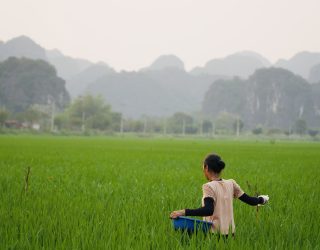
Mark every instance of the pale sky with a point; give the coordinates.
(130, 34)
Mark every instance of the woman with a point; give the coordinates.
(217, 200)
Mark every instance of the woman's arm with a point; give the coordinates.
(250, 200)
(253, 201)
(206, 210)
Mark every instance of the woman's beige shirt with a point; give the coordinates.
(223, 192)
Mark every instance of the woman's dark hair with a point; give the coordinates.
(214, 163)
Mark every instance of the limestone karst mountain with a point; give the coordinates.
(301, 63)
(78, 84)
(271, 97)
(240, 64)
(314, 75)
(21, 46)
(67, 67)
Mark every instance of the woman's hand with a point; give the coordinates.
(176, 214)
(265, 199)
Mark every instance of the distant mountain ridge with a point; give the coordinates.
(66, 66)
(137, 93)
(240, 64)
(301, 63)
(152, 92)
(78, 84)
(166, 62)
(314, 76)
(21, 46)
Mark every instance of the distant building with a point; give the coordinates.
(35, 126)
(18, 125)
(12, 124)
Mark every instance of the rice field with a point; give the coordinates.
(117, 193)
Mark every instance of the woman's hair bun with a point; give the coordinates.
(222, 164)
(214, 163)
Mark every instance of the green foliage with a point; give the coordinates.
(3, 115)
(313, 133)
(116, 121)
(237, 124)
(90, 112)
(61, 121)
(32, 115)
(207, 127)
(133, 125)
(300, 126)
(181, 123)
(257, 131)
(107, 193)
(145, 125)
(274, 131)
(224, 123)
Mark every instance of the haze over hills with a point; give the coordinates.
(163, 87)
(301, 63)
(66, 66)
(23, 46)
(314, 75)
(78, 84)
(240, 64)
(153, 92)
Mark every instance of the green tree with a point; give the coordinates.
(224, 123)
(257, 131)
(181, 123)
(207, 126)
(300, 126)
(116, 121)
(3, 116)
(237, 124)
(313, 133)
(90, 112)
(61, 121)
(32, 115)
(25, 82)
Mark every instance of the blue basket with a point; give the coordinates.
(191, 225)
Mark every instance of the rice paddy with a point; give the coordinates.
(117, 193)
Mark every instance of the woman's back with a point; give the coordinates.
(222, 192)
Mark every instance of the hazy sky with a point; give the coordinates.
(130, 34)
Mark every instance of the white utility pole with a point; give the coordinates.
(238, 126)
(183, 127)
(213, 128)
(52, 115)
(145, 125)
(165, 126)
(121, 126)
(83, 120)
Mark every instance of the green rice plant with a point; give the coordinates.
(117, 193)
